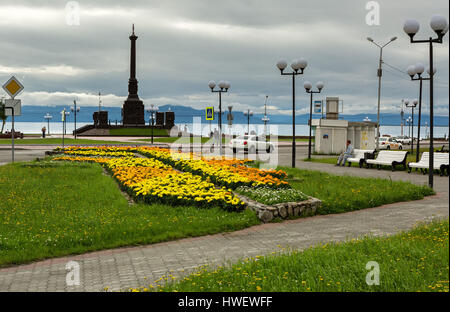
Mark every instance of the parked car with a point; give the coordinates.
(251, 144)
(403, 139)
(389, 143)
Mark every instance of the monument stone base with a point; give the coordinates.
(133, 113)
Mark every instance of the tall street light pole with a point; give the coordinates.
(379, 74)
(298, 67)
(440, 26)
(265, 119)
(307, 85)
(223, 88)
(414, 70)
(248, 113)
(412, 105)
(152, 111)
(48, 117)
(75, 110)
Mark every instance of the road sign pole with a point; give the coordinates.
(12, 133)
(64, 125)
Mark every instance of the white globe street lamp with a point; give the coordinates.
(298, 66)
(308, 86)
(440, 26)
(223, 85)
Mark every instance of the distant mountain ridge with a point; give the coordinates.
(185, 114)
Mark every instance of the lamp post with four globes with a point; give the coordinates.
(74, 109)
(307, 85)
(414, 70)
(298, 67)
(223, 88)
(412, 105)
(440, 26)
(152, 111)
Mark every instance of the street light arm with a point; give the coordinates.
(376, 44)
(291, 74)
(387, 43)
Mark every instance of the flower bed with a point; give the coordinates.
(102, 151)
(270, 196)
(231, 173)
(150, 180)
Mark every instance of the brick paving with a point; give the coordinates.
(121, 268)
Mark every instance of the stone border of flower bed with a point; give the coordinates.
(267, 213)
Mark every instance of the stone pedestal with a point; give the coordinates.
(133, 113)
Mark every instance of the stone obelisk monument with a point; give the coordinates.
(133, 108)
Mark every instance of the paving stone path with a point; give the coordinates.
(121, 268)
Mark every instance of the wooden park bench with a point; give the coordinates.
(8, 135)
(360, 157)
(388, 158)
(440, 162)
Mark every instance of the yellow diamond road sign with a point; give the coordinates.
(13, 87)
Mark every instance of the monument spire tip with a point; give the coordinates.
(133, 29)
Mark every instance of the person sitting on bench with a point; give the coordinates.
(347, 154)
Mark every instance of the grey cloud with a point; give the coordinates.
(184, 44)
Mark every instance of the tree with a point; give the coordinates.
(3, 116)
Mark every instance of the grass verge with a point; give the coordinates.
(348, 193)
(57, 141)
(53, 209)
(137, 131)
(412, 261)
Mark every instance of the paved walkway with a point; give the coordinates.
(137, 266)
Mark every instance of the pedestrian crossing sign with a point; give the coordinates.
(210, 113)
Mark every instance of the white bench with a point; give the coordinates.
(360, 156)
(388, 158)
(440, 162)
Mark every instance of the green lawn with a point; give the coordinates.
(138, 131)
(412, 261)
(53, 209)
(56, 141)
(348, 193)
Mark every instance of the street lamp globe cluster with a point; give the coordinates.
(439, 25)
(152, 110)
(298, 66)
(308, 86)
(223, 85)
(48, 117)
(74, 109)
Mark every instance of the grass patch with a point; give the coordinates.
(51, 209)
(138, 131)
(271, 196)
(412, 261)
(57, 141)
(348, 193)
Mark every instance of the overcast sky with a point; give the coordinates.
(184, 44)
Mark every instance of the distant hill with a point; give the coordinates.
(185, 114)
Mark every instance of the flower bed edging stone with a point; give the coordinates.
(267, 213)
